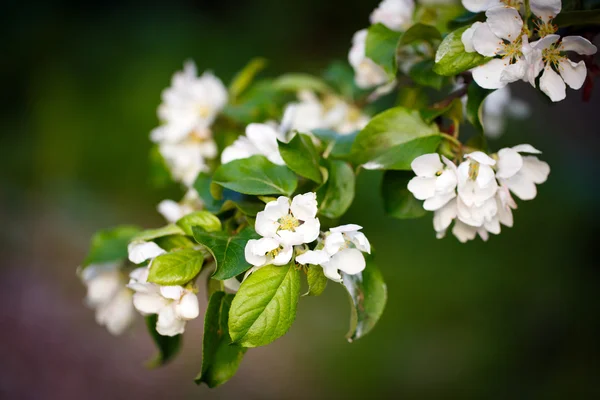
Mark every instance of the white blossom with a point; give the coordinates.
(187, 159)
(342, 251)
(173, 211)
(395, 14)
(520, 173)
(501, 35)
(189, 106)
(260, 139)
(548, 54)
(174, 305)
(435, 181)
(292, 223)
(140, 251)
(266, 250)
(367, 73)
(476, 179)
(108, 295)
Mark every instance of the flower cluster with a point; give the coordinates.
(506, 38)
(477, 193)
(288, 226)
(174, 305)
(188, 110)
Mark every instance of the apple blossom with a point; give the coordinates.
(367, 74)
(259, 139)
(342, 251)
(395, 14)
(260, 252)
(435, 181)
(174, 305)
(108, 295)
(172, 211)
(187, 159)
(520, 173)
(140, 251)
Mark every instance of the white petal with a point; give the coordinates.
(232, 284)
(264, 137)
(422, 188)
(119, 314)
(334, 242)
(515, 71)
(443, 217)
(360, 241)
(102, 288)
(315, 257)
(526, 148)
(188, 307)
(240, 149)
(481, 158)
(172, 292)
(170, 210)
(509, 163)
(149, 303)
(310, 230)
(266, 221)
(467, 37)
(578, 44)
(346, 228)
(140, 251)
(488, 75)
(331, 272)
(552, 84)
(546, 9)
(304, 206)
(535, 170)
(476, 6)
(446, 182)
(256, 250)
(573, 73)
(293, 238)
(485, 176)
(485, 42)
(438, 201)
(464, 232)
(284, 256)
(427, 165)
(504, 22)
(545, 42)
(350, 261)
(139, 275)
(168, 324)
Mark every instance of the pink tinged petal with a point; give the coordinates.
(427, 165)
(188, 307)
(350, 261)
(488, 75)
(492, 226)
(360, 241)
(168, 324)
(438, 201)
(149, 303)
(304, 206)
(467, 37)
(509, 163)
(314, 257)
(284, 256)
(481, 158)
(552, 85)
(514, 72)
(334, 242)
(546, 9)
(464, 232)
(526, 148)
(422, 188)
(446, 182)
(483, 234)
(504, 22)
(535, 170)
(171, 292)
(573, 73)
(346, 228)
(578, 44)
(485, 42)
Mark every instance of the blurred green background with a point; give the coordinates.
(517, 317)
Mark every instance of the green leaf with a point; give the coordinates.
(151, 234)
(414, 98)
(203, 219)
(243, 78)
(257, 176)
(227, 250)
(317, 281)
(296, 81)
(451, 57)
(213, 286)
(202, 186)
(572, 18)
(394, 138)
(174, 242)
(339, 145)
(220, 357)
(368, 294)
(301, 156)
(381, 47)
(249, 208)
(475, 97)
(265, 306)
(398, 201)
(422, 73)
(168, 346)
(336, 196)
(176, 268)
(420, 31)
(110, 245)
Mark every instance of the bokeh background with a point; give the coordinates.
(517, 317)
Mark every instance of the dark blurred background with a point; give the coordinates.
(517, 317)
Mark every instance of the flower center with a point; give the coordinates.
(273, 253)
(288, 223)
(512, 50)
(552, 56)
(512, 3)
(204, 111)
(473, 170)
(545, 28)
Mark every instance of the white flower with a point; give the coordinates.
(260, 139)
(342, 251)
(476, 179)
(189, 106)
(290, 224)
(546, 10)
(435, 181)
(108, 295)
(395, 14)
(174, 305)
(187, 159)
(501, 35)
(548, 54)
(479, 5)
(342, 117)
(140, 251)
(266, 251)
(520, 173)
(499, 105)
(173, 211)
(367, 73)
